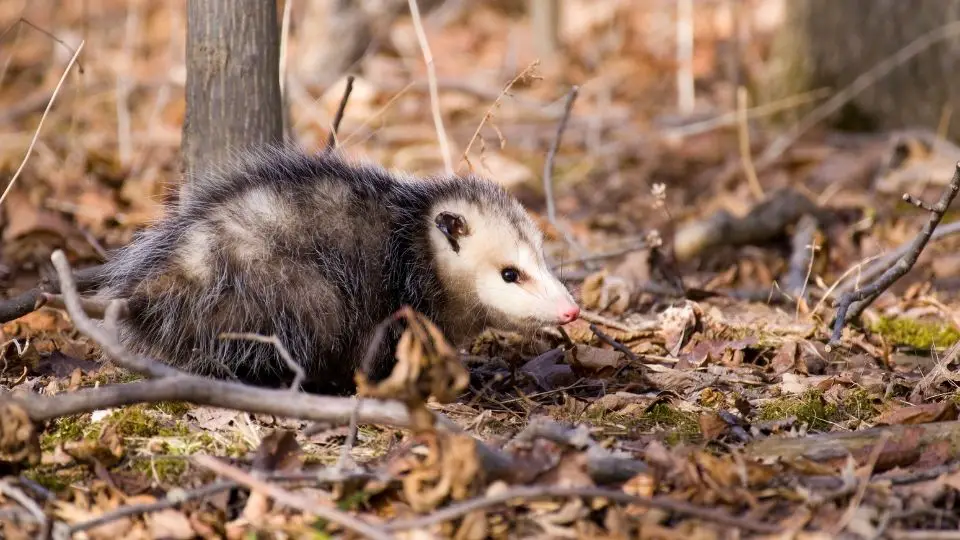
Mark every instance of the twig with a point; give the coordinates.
(847, 310)
(732, 118)
(36, 134)
(744, 137)
(13, 308)
(177, 497)
(602, 256)
(106, 339)
(18, 495)
(292, 500)
(543, 492)
(284, 41)
(862, 488)
(432, 81)
(614, 343)
(199, 390)
(297, 369)
(174, 498)
(803, 254)
(380, 112)
(552, 154)
(496, 104)
(685, 88)
(884, 262)
(332, 140)
(861, 83)
(345, 460)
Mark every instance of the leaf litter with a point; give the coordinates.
(689, 381)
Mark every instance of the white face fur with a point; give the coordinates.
(487, 259)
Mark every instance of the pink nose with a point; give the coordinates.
(569, 314)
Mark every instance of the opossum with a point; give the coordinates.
(317, 249)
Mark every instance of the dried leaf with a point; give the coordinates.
(19, 440)
(170, 524)
(920, 414)
(587, 360)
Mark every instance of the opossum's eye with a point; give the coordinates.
(453, 226)
(510, 274)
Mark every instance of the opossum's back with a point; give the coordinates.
(303, 264)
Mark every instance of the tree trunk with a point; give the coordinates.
(233, 81)
(829, 43)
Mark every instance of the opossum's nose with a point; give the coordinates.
(569, 313)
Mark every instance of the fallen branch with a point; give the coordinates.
(852, 304)
(286, 498)
(86, 280)
(547, 492)
(335, 127)
(173, 499)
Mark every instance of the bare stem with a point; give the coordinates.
(852, 304)
(432, 81)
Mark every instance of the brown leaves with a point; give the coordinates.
(19, 441)
(449, 470)
(427, 366)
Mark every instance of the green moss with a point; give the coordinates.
(680, 426)
(64, 429)
(167, 469)
(920, 335)
(354, 501)
(54, 479)
(137, 421)
(173, 408)
(811, 408)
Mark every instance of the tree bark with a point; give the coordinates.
(233, 81)
(829, 43)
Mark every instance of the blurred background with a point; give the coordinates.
(714, 104)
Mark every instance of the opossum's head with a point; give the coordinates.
(489, 254)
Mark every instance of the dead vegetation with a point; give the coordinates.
(715, 383)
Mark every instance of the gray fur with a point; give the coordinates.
(310, 247)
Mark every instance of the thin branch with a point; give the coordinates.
(861, 83)
(176, 497)
(13, 308)
(496, 104)
(552, 155)
(23, 500)
(335, 127)
(284, 43)
(685, 87)
(847, 310)
(297, 369)
(614, 343)
(36, 134)
(545, 492)
(103, 337)
(286, 498)
(173, 499)
(744, 137)
(603, 256)
(432, 81)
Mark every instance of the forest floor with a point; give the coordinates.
(699, 394)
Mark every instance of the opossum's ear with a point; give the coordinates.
(454, 227)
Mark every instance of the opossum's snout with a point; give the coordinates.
(569, 313)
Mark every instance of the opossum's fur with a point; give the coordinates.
(318, 250)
